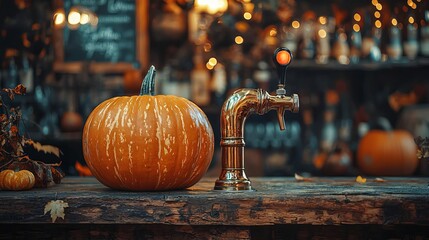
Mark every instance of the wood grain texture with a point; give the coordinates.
(277, 201)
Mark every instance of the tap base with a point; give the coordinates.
(233, 185)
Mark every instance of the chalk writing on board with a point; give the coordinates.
(112, 40)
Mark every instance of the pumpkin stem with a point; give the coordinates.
(148, 84)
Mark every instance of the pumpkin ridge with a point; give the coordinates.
(114, 123)
(197, 155)
(103, 139)
(117, 140)
(158, 135)
(149, 146)
(91, 140)
(177, 151)
(181, 157)
(194, 154)
(144, 133)
(132, 144)
(195, 115)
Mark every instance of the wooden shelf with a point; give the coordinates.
(333, 65)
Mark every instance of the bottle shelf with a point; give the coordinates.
(333, 65)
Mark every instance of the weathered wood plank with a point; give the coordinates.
(155, 232)
(324, 201)
(129, 231)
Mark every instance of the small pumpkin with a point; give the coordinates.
(148, 143)
(387, 153)
(16, 180)
(336, 162)
(71, 122)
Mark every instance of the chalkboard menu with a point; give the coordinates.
(116, 39)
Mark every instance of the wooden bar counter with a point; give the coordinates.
(279, 208)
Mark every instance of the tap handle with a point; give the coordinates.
(282, 58)
(281, 117)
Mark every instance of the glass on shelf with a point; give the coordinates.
(323, 47)
(411, 45)
(424, 35)
(394, 48)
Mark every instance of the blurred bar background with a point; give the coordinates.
(358, 66)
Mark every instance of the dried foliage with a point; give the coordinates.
(379, 180)
(360, 179)
(300, 178)
(82, 170)
(12, 155)
(422, 147)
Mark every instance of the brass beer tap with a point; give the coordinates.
(235, 110)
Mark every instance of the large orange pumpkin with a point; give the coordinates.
(148, 143)
(387, 153)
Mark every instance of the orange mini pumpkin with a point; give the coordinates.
(148, 143)
(387, 153)
(16, 180)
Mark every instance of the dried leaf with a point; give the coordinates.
(57, 175)
(419, 154)
(360, 179)
(422, 154)
(422, 147)
(20, 89)
(56, 208)
(300, 178)
(9, 93)
(45, 148)
(82, 170)
(379, 180)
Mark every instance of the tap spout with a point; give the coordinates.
(235, 110)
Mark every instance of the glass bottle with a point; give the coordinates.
(11, 79)
(424, 35)
(26, 74)
(200, 80)
(323, 47)
(356, 46)
(411, 45)
(394, 48)
(341, 50)
(307, 47)
(219, 84)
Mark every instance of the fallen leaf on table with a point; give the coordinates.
(300, 178)
(360, 179)
(56, 208)
(379, 180)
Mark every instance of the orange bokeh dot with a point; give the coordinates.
(283, 57)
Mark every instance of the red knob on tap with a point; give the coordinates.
(282, 58)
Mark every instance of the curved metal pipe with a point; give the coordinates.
(235, 110)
